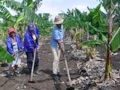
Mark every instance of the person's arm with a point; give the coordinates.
(61, 46)
(38, 37)
(9, 47)
(59, 40)
(21, 47)
(27, 42)
(38, 32)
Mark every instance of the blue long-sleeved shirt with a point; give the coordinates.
(9, 44)
(29, 43)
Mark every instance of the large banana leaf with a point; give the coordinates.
(115, 41)
(5, 56)
(92, 43)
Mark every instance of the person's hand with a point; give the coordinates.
(13, 55)
(32, 48)
(37, 48)
(21, 50)
(63, 52)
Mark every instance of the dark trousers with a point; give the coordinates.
(30, 56)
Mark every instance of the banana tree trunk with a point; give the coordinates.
(76, 39)
(108, 67)
(88, 35)
(94, 51)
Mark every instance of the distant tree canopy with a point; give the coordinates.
(25, 13)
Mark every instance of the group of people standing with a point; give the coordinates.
(30, 43)
(15, 45)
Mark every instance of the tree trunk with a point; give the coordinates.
(88, 36)
(108, 67)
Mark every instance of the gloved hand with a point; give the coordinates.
(38, 48)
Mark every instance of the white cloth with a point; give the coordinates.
(34, 37)
(15, 46)
(17, 61)
(56, 54)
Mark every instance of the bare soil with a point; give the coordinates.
(44, 81)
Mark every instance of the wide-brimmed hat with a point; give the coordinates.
(58, 20)
(11, 30)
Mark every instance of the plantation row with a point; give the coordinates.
(87, 29)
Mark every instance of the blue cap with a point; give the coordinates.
(31, 27)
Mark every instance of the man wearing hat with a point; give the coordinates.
(57, 45)
(14, 45)
(31, 42)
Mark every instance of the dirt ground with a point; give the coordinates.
(44, 81)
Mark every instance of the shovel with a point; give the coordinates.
(32, 70)
(68, 74)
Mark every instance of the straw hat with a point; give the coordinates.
(58, 20)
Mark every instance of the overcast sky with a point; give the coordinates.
(56, 6)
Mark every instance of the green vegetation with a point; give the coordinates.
(87, 29)
(99, 27)
(4, 56)
(25, 13)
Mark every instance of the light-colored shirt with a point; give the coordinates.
(34, 37)
(15, 46)
(57, 34)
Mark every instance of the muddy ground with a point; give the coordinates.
(44, 81)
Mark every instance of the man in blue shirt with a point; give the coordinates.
(31, 42)
(57, 45)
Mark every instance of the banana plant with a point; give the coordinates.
(45, 24)
(115, 41)
(117, 16)
(95, 26)
(89, 47)
(110, 6)
(5, 56)
(25, 13)
(74, 22)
